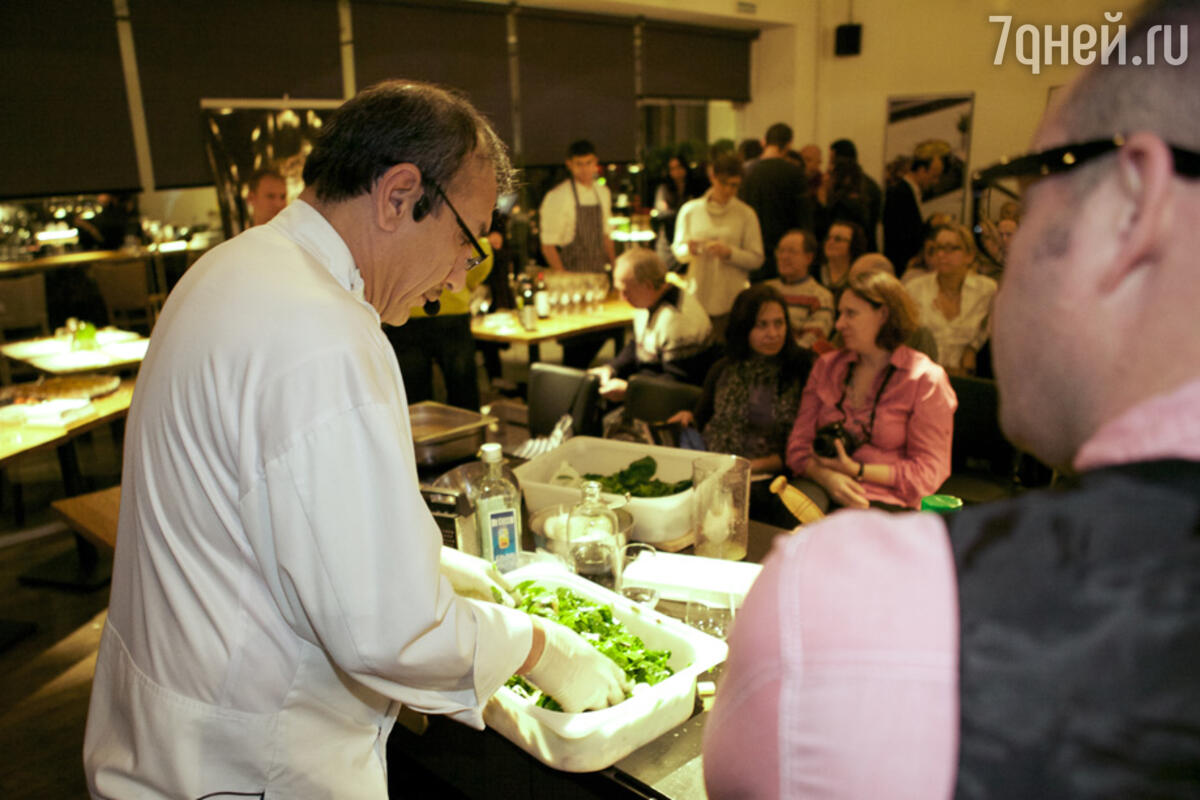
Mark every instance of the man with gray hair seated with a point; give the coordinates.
(671, 330)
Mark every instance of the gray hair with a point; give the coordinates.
(647, 267)
(394, 122)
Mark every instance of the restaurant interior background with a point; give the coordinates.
(113, 87)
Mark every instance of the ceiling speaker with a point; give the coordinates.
(847, 40)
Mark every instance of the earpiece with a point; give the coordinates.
(421, 208)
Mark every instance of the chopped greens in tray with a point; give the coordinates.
(637, 479)
(594, 622)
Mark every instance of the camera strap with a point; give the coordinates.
(869, 430)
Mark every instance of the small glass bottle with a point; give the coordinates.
(498, 512)
(593, 539)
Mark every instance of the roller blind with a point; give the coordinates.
(685, 61)
(453, 44)
(576, 82)
(64, 113)
(188, 50)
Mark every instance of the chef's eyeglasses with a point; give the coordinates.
(1028, 169)
(480, 256)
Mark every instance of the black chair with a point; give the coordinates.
(554, 391)
(653, 398)
(983, 463)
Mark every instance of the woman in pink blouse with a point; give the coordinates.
(876, 417)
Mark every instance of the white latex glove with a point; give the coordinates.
(476, 578)
(574, 673)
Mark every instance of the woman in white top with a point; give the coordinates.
(718, 237)
(955, 302)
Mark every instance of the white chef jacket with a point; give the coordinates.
(276, 586)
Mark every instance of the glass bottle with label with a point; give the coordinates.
(541, 297)
(498, 512)
(593, 539)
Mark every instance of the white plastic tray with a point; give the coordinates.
(594, 740)
(655, 519)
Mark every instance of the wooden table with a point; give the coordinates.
(504, 326)
(57, 357)
(85, 569)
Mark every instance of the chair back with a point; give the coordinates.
(556, 390)
(125, 289)
(653, 398)
(23, 304)
(979, 445)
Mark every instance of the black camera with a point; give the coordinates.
(823, 443)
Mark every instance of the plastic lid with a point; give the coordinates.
(491, 453)
(941, 503)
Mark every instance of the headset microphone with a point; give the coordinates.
(420, 208)
(432, 307)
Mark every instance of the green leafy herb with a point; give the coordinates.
(594, 622)
(638, 480)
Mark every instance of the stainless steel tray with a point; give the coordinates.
(443, 433)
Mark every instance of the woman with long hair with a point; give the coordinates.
(751, 396)
(877, 417)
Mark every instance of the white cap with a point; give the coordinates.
(491, 453)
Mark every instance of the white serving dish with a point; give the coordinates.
(655, 519)
(594, 740)
(683, 577)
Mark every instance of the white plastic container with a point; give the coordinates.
(655, 519)
(594, 740)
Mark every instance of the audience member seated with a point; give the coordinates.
(809, 304)
(718, 236)
(844, 243)
(671, 331)
(922, 262)
(921, 339)
(752, 394)
(677, 187)
(893, 407)
(955, 302)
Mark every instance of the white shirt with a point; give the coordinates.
(716, 282)
(676, 331)
(969, 328)
(276, 584)
(557, 212)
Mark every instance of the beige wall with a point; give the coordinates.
(933, 47)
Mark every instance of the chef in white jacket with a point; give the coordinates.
(277, 592)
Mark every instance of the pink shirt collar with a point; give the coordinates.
(1165, 426)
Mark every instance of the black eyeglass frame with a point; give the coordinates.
(472, 261)
(1055, 161)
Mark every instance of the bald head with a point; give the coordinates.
(1096, 312)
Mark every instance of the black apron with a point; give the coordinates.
(586, 251)
(1080, 627)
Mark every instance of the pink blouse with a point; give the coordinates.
(914, 422)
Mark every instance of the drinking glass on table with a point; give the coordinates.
(712, 614)
(635, 574)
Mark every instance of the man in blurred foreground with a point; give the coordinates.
(1044, 646)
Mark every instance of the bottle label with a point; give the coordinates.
(502, 537)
